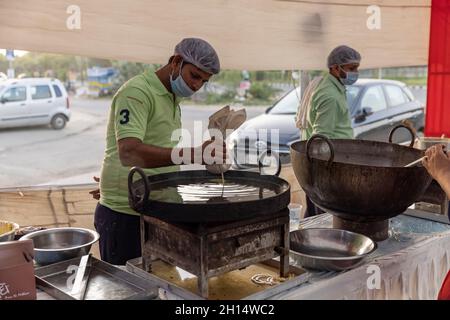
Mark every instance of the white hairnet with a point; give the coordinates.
(343, 55)
(199, 53)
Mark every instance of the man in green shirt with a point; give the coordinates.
(328, 110)
(328, 113)
(144, 114)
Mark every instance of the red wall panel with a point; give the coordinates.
(438, 95)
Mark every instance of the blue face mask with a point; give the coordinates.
(350, 77)
(180, 87)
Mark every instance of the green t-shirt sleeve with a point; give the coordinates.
(326, 115)
(132, 110)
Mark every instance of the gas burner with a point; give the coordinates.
(376, 230)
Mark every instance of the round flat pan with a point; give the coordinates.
(200, 197)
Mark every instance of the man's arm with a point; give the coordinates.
(133, 152)
(438, 165)
(445, 183)
(132, 110)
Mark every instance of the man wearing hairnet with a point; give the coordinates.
(324, 108)
(144, 113)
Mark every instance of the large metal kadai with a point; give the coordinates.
(359, 180)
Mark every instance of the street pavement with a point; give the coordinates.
(40, 155)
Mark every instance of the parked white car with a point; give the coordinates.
(33, 102)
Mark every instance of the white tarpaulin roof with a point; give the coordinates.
(247, 34)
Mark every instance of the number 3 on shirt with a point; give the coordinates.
(125, 113)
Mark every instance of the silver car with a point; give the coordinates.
(33, 102)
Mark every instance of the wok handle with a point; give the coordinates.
(413, 135)
(133, 198)
(322, 137)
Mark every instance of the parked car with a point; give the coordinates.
(376, 106)
(32, 102)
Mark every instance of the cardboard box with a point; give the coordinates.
(17, 271)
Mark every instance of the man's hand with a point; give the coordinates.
(95, 193)
(214, 151)
(437, 163)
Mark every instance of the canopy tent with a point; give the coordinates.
(248, 34)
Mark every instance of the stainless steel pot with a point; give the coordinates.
(427, 142)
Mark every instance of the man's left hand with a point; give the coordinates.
(95, 193)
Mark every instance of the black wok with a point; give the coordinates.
(359, 180)
(199, 197)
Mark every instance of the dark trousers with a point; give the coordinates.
(311, 209)
(120, 238)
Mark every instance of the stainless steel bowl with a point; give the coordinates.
(58, 244)
(329, 249)
(427, 142)
(8, 230)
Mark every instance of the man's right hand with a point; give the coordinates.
(437, 162)
(213, 151)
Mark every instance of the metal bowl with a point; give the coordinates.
(58, 244)
(427, 142)
(329, 249)
(8, 230)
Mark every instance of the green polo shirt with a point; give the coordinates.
(144, 109)
(329, 114)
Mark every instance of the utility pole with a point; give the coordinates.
(10, 58)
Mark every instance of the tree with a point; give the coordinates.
(128, 70)
(3, 64)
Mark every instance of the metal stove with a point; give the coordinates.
(209, 250)
(191, 221)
